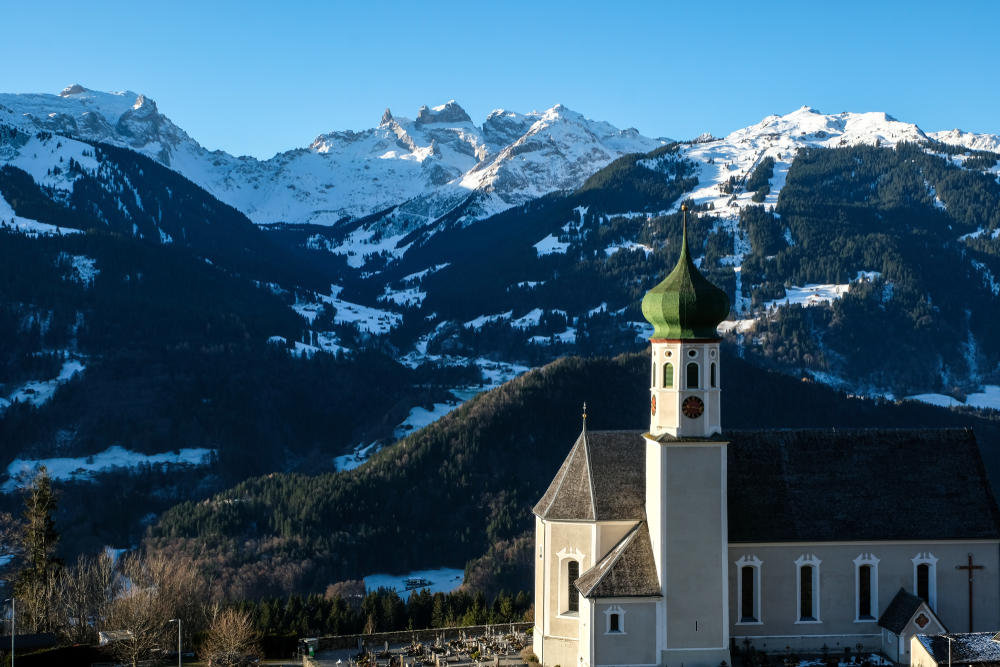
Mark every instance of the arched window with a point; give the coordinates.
(692, 375)
(865, 591)
(925, 578)
(668, 375)
(808, 588)
(615, 620)
(747, 594)
(652, 382)
(924, 581)
(748, 569)
(572, 574)
(806, 593)
(866, 587)
(712, 377)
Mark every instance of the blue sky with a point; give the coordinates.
(259, 77)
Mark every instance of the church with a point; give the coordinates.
(685, 543)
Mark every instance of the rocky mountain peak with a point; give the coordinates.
(386, 117)
(75, 89)
(450, 112)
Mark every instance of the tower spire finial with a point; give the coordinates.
(585, 415)
(684, 229)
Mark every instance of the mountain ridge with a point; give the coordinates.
(346, 173)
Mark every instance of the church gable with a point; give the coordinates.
(908, 609)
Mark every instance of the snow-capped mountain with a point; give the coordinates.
(779, 137)
(438, 159)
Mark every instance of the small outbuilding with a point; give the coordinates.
(979, 649)
(905, 616)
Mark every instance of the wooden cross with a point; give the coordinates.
(970, 567)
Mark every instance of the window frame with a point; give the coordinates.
(807, 560)
(563, 598)
(871, 561)
(751, 561)
(614, 610)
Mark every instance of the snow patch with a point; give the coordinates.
(627, 245)
(550, 245)
(84, 467)
(441, 580)
(38, 392)
(420, 417)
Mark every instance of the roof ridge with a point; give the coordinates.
(620, 546)
(590, 473)
(562, 478)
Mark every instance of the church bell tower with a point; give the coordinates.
(685, 310)
(686, 467)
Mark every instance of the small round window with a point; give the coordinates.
(692, 353)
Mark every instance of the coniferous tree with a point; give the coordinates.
(36, 586)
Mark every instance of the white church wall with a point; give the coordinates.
(541, 610)
(838, 625)
(565, 542)
(695, 546)
(610, 533)
(634, 643)
(919, 657)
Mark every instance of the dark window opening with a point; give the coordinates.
(865, 592)
(668, 375)
(692, 378)
(573, 573)
(806, 593)
(924, 582)
(712, 378)
(614, 623)
(747, 610)
(652, 382)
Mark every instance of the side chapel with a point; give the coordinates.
(677, 545)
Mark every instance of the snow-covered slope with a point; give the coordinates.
(780, 137)
(437, 159)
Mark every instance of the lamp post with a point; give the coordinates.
(12, 610)
(178, 622)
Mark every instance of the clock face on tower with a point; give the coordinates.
(692, 407)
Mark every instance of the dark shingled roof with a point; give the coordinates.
(966, 648)
(628, 570)
(602, 479)
(802, 485)
(864, 484)
(899, 612)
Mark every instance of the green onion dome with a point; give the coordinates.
(685, 305)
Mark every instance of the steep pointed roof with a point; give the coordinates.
(628, 570)
(685, 305)
(570, 496)
(599, 480)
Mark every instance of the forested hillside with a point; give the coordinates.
(465, 485)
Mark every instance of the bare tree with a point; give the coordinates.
(87, 591)
(155, 589)
(232, 638)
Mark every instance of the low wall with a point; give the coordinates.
(377, 640)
